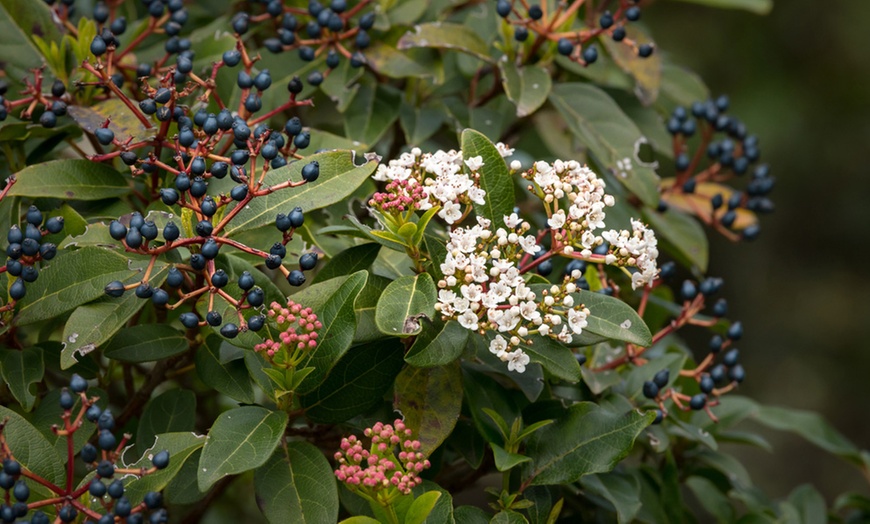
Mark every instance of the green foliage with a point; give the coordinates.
(251, 369)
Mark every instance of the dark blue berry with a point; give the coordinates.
(106, 420)
(153, 500)
(618, 34)
(160, 297)
(29, 247)
(189, 320)
(650, 389)
(545, 268)
(253, 103)
(149, 230)
(98, 45)
(256, 322)
(67, 513)
(161, 460)
(144, 290)
(197, 261)
(720, 308)
(535, 12)
(315, 78)
(296, 278)
(240, 23)
(116, 489)
(78, 384)
(171, 232)
(698, 401)
(256, 297)
(106, 440)
(735, 331)
(632, 13)
(239, 193)
(17, 290)
(230, 330)
(311, 171)
(14, 267)
(272, 261)
(707, 384)
(590, 54)
(731, 357)
(688, 291)
(67, 401)
(278, 249)
(210, 249)
(308, 261)
(89, 452)
(105, 469)
(104, 135)
(220, 278)
(133, 238)
(54, 225)
(213, 318)
(363, 40)
(736, 373)
(645, 51)
(204, 228)
(751, 232)
(29, 274)
(15, 235)
(123, 507)
(198, 187)
(93, 413)
(564, 47)
(662, 377)
(296, 217)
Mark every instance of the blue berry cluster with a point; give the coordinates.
(713, 379)
(531, 18)
(106, 490)
(731, 151)
(26, 249)
(333, 29)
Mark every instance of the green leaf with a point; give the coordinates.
(92, 324)
(241, 439)
(422, 507)
(71, 179)
(527, 87)
(404, 299)
(622, 491)
(438, 344)
(230, 378)
(609, 134)
(613, 319)
(442, 35)
(389, 61)
(430, 400)
(811, 426)
(360, 519)
(761, 7)
(589, 439)
(681, 86)
(339, 177)
(495, 178)
(470, 515)
(297, 487)
(171, 411)
(711, 498)
(19, 20)
(364, 309)
(349, 261)
(339, 324)
(646, 72)
(122, 121)
(179, 445)
(684, 233)
(419, 123)
(371, 112)
(22, 369)
(505, 460)
(508, 517)
(555, 357)
(56, 292)
(146, 343)
(31, 448)
(356, 384)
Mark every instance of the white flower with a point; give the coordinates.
(577, 320)
(518, 361)
(529, 244)
(516, 165)
(557, 220)
(513, 221)
(468, 320)
(504, 150)
(498, 345)
(451, 212)
(474, 163)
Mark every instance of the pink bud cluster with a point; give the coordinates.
(400, 196)
(298, 327)
(384, 469)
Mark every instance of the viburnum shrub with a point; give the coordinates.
(464, 252)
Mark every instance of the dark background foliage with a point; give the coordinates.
(798, 77)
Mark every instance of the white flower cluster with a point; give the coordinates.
(484, 290)
(638, 248)
(441, 175)
(575, 200)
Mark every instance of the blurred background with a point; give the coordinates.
(800, 79)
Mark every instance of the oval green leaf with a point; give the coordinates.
(399, 309)
(72, 179)
(241, 439)
(298, 486)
